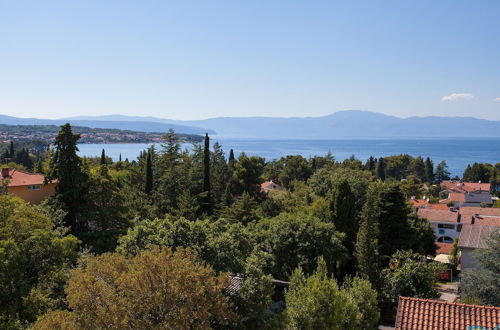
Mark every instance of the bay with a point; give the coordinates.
(458, 152)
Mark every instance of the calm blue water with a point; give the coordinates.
(457, 152)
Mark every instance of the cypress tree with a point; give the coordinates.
(11, 150)
(380, 171)
(345, 220)
(39, 165)
(149, 174)
(72, 186)
(120, 158)
(206, 165)
(231, 159)
(429, 170)
(206, 199)
(103, 157)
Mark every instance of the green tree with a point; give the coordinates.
(365, 299)
(103, 157)
(367, 242)
(252, 301)
(442, 172)
(477, 172)
(418, 168)
(421, 236)
(243, 210)
(157, 289)
(380, 170)
(35, 259)
(207, 199)
(223, 245)
(429, 170)
(148, 188)
(409, 275)
(344, 217)
(231, 159)
(317, 302)
(106, 200)
(246, 175)
(296, 240)
(72, 185)
(293, 168)
(370, 164)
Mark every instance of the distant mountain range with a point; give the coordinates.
(154, 126)
(349, 123)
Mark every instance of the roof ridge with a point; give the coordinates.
(448, 303)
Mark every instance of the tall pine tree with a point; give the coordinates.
(206, 198)
(380, 171)
(72, 186)
(149, 173)
(103, 157)
(231, 160)
(343, 207)
(429, 170)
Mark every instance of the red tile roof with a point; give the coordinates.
(457, 197)
(419, 203)
(415, 313)
(21, 178)
(474, 186)
(442, 207)
(270, 185)
(444, 248)
(465, 186)
(471, 210)
(438, 215)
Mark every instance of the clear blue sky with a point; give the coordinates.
(200, 59)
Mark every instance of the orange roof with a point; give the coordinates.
(443, 248)
(416, 313)
(438, 215)
(480, 215)
(21, 178)
(465, 186)
(442, 207)
(471, 210)
(473, 186)
(419, 202)
(457, 197)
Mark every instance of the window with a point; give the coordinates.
(35, 187)
(446, 226)
(445, 239)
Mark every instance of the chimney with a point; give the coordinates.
(5, 172)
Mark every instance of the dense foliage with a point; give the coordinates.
(342, 233)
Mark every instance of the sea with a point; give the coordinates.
(457, 152)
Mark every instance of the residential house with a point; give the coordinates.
(29, 186)
(466, 193)
(475, 236)
(446, 223)
(270, 186)
(459, 186)
(416, 313)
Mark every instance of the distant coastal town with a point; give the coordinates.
(47, 133)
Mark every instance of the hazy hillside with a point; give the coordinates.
(350, 123)
(156, 126)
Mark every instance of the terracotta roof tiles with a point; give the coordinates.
(416, 313)
(438, 215)
(21, 178)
